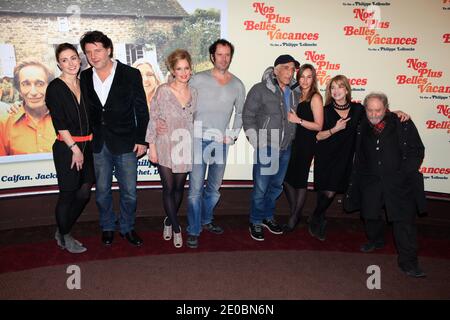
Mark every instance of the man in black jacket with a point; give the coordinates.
(388, 156)
(119, 116)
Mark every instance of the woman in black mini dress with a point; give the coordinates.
(72, 152)
(309, 120)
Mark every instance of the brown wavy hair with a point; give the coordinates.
(177, 55)
(314, 86)
(339, 80)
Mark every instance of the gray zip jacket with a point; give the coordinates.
(264, 115)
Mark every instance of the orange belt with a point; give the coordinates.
(77, 138)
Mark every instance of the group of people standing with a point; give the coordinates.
(366, 151)
(103, 125)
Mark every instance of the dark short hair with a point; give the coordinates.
(62, 47)
(96, 36)
(223, 42)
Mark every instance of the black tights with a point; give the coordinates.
(324, 199)
(69, 207)
(296, 198)
(173, 188)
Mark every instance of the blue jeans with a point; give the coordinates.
(268, 176)
(124, 167)
(209, 155)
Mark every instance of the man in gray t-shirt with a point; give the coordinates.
(219, 94)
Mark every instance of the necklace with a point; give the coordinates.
(339, 107)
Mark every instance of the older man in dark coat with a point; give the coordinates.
(388, 156)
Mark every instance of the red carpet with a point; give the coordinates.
(27, 256)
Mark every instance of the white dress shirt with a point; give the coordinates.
(102, 88)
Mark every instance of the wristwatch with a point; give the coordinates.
(301, 121)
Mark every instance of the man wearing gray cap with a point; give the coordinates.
(270, 133)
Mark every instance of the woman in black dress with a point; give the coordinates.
(335, 149)
(72, 152)
(309, 120)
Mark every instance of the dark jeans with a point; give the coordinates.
(124, 167)
(268, 176)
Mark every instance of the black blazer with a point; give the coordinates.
(122, 121)
(412, 153)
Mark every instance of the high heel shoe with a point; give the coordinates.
(167, 232)
(177, 239)
(287, 228)
(291, 225)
